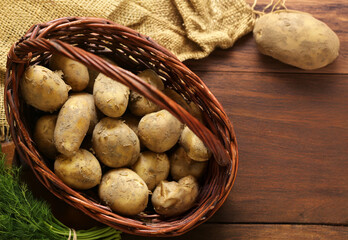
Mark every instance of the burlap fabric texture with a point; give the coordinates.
(191, 29)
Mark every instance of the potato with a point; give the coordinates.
(176, 97)
(174, 198)
(43, 89)
(191, 107)
(110, 96)
(44, 135)
(181, 165)
(124, 191)
(75, 73)
(196, 111)
(72, 124)
(115, 144)
(296, 38)
(140, 105)
(152, 168)
(159, 131)
(131, 121)
(93, 74)
(93, 111)
(80, 171)
(194, 146)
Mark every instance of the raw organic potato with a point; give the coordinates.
(152, 168)
(181, 165)
(174, 198)
(196, 111)
(93, 74)
(43, 89)
(75, 73)
(191, 107)
(72, 124)
(176, 97)
(140, 105)
(44, 135)
(159, 131)
(124, 191)
(131, 121)
(115, 144)
(93, 111)
(194, 146)
(296, 38)
(81, 171)
(110, 96)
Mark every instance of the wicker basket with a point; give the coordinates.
(83, 39)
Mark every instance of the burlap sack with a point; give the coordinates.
(188, 28)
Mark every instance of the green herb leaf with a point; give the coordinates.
(24, 217)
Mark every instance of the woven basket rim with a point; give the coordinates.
(42, 39)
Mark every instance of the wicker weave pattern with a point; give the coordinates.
(135, 52)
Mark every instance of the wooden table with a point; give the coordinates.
(292, 131)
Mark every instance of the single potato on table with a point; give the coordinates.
(296, 38)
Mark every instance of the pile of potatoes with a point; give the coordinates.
(99, 132)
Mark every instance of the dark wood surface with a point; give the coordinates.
(292, 131)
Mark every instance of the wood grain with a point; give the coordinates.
(244, 56)
(292, 131)
(259, 232)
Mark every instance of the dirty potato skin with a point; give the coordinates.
(44, 135)
(140, 105)
(152, 168)
(75, 73)
(159, 131)
(43, 89)
(93, 74)
(110, 96)
(194, 146)
(191, 107)
(72, 124)
(131, 121)
(176, 97)
(181, 165)
(174, 198)
(81, 171)
(196, 111)
(124, 191)
(92, 109)
(296, 38)
(114, 143)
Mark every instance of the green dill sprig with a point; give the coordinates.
(24, 217)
